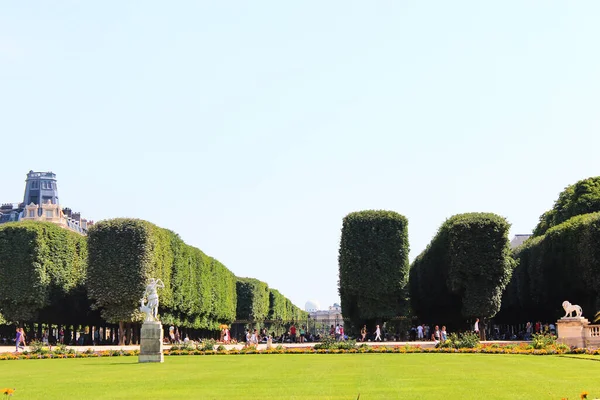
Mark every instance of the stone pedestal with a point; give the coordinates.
(572, 330)
(151, 342)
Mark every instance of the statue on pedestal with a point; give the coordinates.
(151, 296)
(570, 309)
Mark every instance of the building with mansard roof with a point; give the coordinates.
(40, 203)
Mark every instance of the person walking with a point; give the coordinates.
(18, 340)
(420, 332)
(363, 333)
(377, 333)
(476, 327)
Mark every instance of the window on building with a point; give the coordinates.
(34, 184)
(31, 213)
(49, 213)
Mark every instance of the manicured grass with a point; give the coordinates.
(310, 376)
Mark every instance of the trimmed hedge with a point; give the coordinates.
(464, 269)
(373, 267)
(124, 253)
(252, 300)
(42, 267)
(581, 198)
(563, 264)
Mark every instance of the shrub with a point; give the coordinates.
(466, 340)
(207, 345)
(543, 340)
(329, 343)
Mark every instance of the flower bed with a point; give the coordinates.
(522, 348)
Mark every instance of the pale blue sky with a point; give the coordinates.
(253, 128)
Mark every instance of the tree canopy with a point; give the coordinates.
(373, 267)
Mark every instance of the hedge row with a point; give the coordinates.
(253, 299)
(373, 267)
(563, 264)
(47, 275)
(42, 268)
(463, 271)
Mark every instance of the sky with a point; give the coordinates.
(252, 128)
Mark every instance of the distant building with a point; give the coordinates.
(519, 240)
(40, 203)
(332, 316)
(312, 306)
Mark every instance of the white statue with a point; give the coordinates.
(570, 308)
(151, 295)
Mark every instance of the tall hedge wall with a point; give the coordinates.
(252, 299)
(373, 267)
(563, 264)
(124, 253)
(464, 269)
(277, 306)
(42, 267)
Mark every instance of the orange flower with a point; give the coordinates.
(8, 391)
(584, 395)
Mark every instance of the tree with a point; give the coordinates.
(373, 267)
(581, 198)
(464, 270)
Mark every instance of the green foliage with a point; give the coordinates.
(207, 344)
(464, 269)
(42, 266)
(62, 349)
(562, 264)
(330, 343)
(252, 299)
(542, 340)
(466, 340)
(373, 267)
(277, 306)
(581, 198)
(124, 253)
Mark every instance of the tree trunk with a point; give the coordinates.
(121, 333)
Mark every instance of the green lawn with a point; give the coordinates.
(306, 376)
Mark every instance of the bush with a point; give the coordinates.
(207, 345)
(466, 340)
(330, 343)
(542, 340)
(37, 347)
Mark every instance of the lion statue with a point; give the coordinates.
(570, 308)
